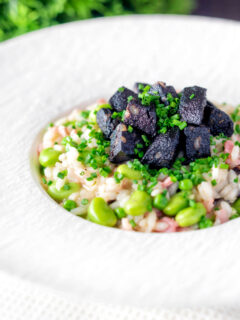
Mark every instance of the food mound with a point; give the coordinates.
(149, 160)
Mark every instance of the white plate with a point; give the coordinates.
(45, 73)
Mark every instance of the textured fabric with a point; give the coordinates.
(45, 74)
(20, 300)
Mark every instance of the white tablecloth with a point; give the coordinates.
(22, 300)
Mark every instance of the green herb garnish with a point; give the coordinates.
(84, 202)
(121, 89)
(132, 223)
(214, 182)
(69, 205)
(130, 129)
(92, 176)
(192, 96)
(62, 174)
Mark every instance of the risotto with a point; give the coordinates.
(148, 160)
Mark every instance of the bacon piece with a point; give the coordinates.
(222, 215)
(167, 183)
(166, 225)
(228, 146)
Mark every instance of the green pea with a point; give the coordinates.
(185, 185)
(178, 202)
(93, 114)
(69, 205)
(236, 205)
(64, 192)
(100, 213)
(139, 203)
(191, 215)
(160, 201)
(129, 172)
(48, 157)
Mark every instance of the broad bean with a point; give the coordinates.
(139, 203)
(178, 202)
(100, 213)
(48, 157)
(64, 192)
(191, 215)
(129, 172)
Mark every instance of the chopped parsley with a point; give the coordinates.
(92, 176)
(105, 171)
(145, 97)
(224, 166)
(145, 139)
(84, 202)
(121, 89)
(214, 182)
(235, 115)
(205, 223)
(120, 213)
(140, 86)
(129, 98)
(212, 141)
(139, 153)
(192, 96)
(118, 176)
(62, 174)
(130, 129)
(70, 123)
(237, 129)
(132, 223)
(81, 124)
(69, 205)
(237, 143)
(115, 115)
(167, 115)
(85, 114)
(118, 115)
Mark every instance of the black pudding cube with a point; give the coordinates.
(119, 100)
(123, 143)
(218, 121)
(105, 121)
(164, 149)
(141, 117)
(160, 88)
(192, 104)
(197, 142)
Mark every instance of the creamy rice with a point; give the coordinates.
(217, 197)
